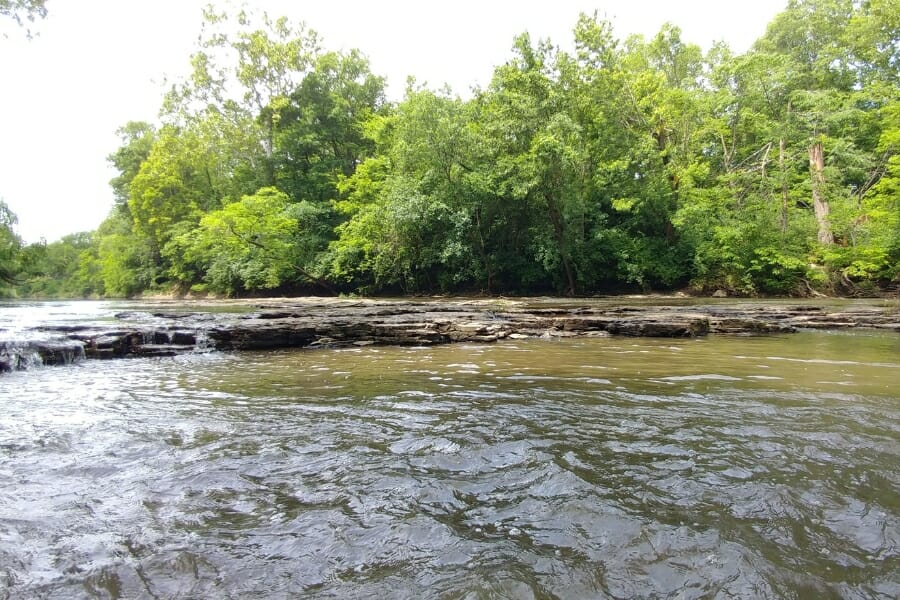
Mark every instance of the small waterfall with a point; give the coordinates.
(23, 355)
(18, 356)
(203, 343)
(62, 352)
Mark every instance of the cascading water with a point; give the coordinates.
(22, 355)
(18, 356)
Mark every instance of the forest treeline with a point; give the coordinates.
(280, 167)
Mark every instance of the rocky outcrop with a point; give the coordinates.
(320, 323)
(343, 323)
(19, 355)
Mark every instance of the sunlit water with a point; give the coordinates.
(724, 467)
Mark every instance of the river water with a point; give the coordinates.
(721, 467)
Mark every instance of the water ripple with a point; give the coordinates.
(466, 472)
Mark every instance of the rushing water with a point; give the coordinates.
(723, 467)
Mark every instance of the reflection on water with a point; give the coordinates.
(596, 468)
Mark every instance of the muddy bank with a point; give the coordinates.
(321, 323)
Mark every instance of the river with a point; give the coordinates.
(716, 467)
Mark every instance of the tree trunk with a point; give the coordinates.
(485, 258)
(559, 231)
(784, 189)
(820, 204)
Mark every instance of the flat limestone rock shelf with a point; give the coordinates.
(321, 323)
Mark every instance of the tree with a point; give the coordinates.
(318, 133)
(654, 98)
(642, 162)
(253, 244)
(836, 82)
(138, 138)
(174, 183)
(808, 35)
(10, 246)
(739, 207)
(57, 269)
(400, 230)
(541, 154)
(239, 80)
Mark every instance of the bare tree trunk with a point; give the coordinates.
(820, 204)
(784, 189)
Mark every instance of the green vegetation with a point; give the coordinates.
(10, 248)
(278, 167)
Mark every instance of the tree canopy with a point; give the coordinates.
(280, 167)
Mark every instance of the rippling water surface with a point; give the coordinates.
(726, 467)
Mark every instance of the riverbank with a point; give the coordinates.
(168, 328)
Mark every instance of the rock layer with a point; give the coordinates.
(318, 323)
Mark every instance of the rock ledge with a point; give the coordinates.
(331, 323)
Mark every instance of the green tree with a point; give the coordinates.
(123, 264)
(394, 216)
(821, 75)
(10, 247)
(253, 245)
(319, 128)
(174, 184)
(55, 270)
(638, 163)
(541, 155)
(239, 81)
(138, 138)
(650, 106)
(740, 210)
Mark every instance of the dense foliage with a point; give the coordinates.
(638, 164)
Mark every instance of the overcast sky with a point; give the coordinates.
(96, 64)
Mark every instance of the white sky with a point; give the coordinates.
(97, 64)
